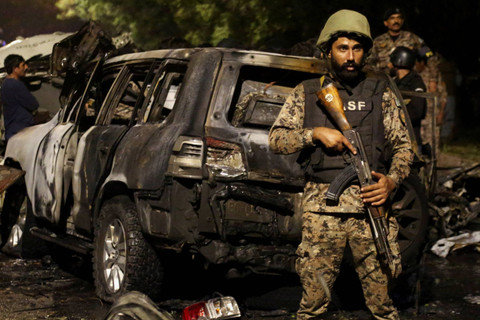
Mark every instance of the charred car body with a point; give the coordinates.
(166, 151)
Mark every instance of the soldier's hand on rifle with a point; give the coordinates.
(332, 139)
(377, 193)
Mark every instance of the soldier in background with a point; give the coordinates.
(402, 62)
(383, 45)
(302, 126)
(446, 118)
(427, 65)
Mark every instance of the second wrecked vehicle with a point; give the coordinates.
(167, 151)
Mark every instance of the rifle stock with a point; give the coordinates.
(333, 104)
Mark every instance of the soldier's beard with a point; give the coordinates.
(345, 75)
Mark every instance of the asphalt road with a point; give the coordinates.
(446, 288)
(41, 289)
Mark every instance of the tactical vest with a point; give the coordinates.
(364, 113)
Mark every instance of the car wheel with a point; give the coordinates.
(16, 220)
(123, 260)
(410, 207)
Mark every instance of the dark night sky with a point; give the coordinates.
(28, 18)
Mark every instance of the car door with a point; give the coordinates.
(97, 146)
(52, 159)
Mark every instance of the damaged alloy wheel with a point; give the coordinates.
(123, 260)
(114, 255)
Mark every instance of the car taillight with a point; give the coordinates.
(217, 308)
(194, 312)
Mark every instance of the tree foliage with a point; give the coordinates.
(268, 24)
(252, 23)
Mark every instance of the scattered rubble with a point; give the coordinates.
(472, 299)
(443, 246)
(455, 209)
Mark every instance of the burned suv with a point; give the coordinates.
(166, 151)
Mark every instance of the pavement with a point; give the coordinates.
(449, 288)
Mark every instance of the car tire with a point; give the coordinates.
(17, 219)
(410, 208)
(123, 260)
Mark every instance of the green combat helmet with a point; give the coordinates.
(347, 21)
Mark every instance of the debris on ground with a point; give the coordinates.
(472, 299)
(446, 245)
(455, 211)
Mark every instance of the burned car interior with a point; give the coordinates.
(139, 83)
(257, 99)
(165, 91)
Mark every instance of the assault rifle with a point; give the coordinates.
(358, 168)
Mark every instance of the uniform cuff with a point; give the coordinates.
(308, 137)
(396, 179)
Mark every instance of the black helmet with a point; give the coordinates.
(391, 11)
(403, 58)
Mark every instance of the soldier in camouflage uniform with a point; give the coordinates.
(384, 44)
(427, 66)
(328, 228)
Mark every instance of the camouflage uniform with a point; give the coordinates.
(288, 136)
(435, 84)
(383, 46)
(325, 235)
(324, 238)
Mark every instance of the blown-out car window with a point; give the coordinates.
(167, 89)
(260, 93)
(85, 95)
(75, 90)
(130, 93)
(93, 99)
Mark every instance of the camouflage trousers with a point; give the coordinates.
(324, 238)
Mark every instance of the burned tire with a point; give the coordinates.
(136, 306)
(123, 260)
(410, 207)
